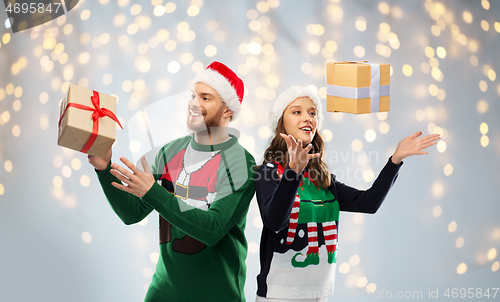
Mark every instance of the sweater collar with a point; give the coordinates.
(209, 148)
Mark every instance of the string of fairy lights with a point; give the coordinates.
(444, 18)
(52, 55)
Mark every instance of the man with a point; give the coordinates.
(201, 185)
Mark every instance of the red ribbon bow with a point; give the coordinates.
(97, 113)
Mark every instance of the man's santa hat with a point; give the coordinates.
(227, 84)
(288, 96)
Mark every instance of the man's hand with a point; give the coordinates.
(100, 163)
(412, 145)
(137, 182)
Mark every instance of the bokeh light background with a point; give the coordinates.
(439, 226)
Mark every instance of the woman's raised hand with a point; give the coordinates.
(298, 157)
(413, 145)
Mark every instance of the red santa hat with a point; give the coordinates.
(288, 96)
(227, 84)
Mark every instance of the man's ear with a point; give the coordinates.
(228, 113)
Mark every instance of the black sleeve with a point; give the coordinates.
(276, 196)
(366, 201)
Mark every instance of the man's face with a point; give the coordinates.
(205, 108)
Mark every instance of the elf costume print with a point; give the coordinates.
(315, 208)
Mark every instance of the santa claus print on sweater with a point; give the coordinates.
(192, 176)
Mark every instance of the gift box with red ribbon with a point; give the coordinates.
(87, 121)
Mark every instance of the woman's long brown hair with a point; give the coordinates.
(278, 152)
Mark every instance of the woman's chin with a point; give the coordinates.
(306, 139)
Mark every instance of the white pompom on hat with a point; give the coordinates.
(288, 96)
(227, 84)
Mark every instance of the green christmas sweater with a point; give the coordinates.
(202, 194)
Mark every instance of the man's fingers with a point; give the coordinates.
(120, 176)
(145, 165)
(122, 170)
(129, 164)
(122, 187)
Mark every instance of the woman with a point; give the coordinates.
(299, 200)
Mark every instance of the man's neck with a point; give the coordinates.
(213, 136)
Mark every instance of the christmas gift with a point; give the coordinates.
(357, 87)
(87, 121)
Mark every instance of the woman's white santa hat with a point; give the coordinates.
(288, 96)
(227, 84)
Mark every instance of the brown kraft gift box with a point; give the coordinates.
(349, 86)
(79, 119)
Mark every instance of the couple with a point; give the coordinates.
(202, 185)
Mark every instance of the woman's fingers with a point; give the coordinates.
(297, 153)
(431, 137)
(287, 140)
(294, 142)
(290, 141)
(428, 139)
(416, 134)
(314, 155)
(427, 145)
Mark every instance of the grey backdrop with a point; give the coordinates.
(60, 240)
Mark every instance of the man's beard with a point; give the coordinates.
(209, 121)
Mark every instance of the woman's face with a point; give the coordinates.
(300, 120)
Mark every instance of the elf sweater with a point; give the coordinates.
(298, 247)
(202, 194)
